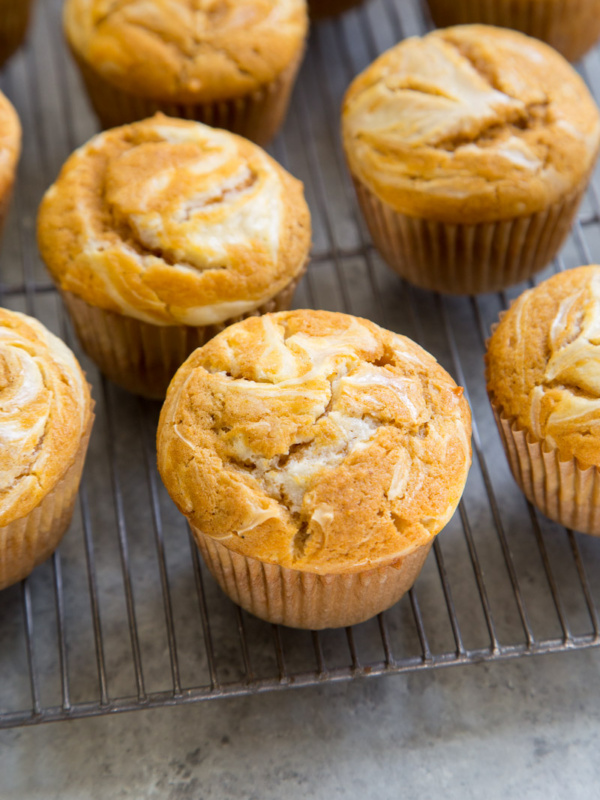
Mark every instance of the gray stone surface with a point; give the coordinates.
(526, 729)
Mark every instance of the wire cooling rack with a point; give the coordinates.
(125, 616)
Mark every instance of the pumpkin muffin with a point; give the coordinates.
(160, 234)
(316, 457)
(14, 22)
(45, 422)
(471, 149)
(543, 377)
(570, 26)
(228, 63)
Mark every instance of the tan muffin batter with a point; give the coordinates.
(10, 146)
(45, 410)
(174, 223)
(316, 441)
(470, 124)
(187, 50)
(544, 364)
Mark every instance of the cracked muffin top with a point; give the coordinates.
(45, 409)
(543, 364)
(470, 124)
(187, 50)
(316, 441)
(174, 223)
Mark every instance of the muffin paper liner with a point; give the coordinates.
(30, 540)
(257, 116)
(5, 205)
(14, 21)
(142, 357)
(320, 9)
(467, 259)
(307, 600)
(571, 26)
(562, 490)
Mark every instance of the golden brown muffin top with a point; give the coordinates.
(10, 143)
(470, 124)
(315, 440)
(173, 222)
(187, 50)
(45, 409)
(543, 364)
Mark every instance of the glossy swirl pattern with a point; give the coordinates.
(544, 363)
(44, 412)
(187, 50)
(173, 222)
(316, 441)
(470, 124)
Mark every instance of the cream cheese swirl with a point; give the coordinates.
(44, 412)
(187, 50)
(173, 222)
(470, 124)
(315, 440)
(569, 396)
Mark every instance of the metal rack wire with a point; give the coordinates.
(125, 616)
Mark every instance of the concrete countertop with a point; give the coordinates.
(526, 729)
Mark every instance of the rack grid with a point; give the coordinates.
(125, 616)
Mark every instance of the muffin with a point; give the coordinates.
(470, 150)
(228, 63)
(543, 378)
(320, 9)
(160, 234)
(45, 422)
(571, 26)
(10, 149)
(14, 21)
(316, 457)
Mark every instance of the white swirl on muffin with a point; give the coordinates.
(44, 410)
(173, 222)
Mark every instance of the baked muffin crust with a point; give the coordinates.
(316, 441)
(45, 409)
(470, 124)
(174, 223)
(10, 144)
(187, 50)
(543, 364)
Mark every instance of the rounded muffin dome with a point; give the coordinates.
(543, 364)
(45, 410)
(187, 50)
(470, 124)
(174, 223)
(316, 441)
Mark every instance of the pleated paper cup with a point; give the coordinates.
(27, 542)
(570, 26)
(5, 200)
(320, 9)
(562, 490)
(14, 21)
(308, 600)
(257, 116)
(141, 357)
(467, 259)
